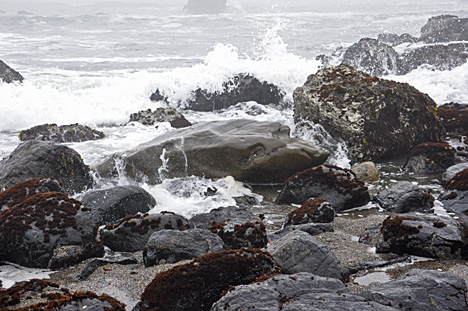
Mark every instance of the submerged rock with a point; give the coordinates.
(301, 291)
(405, 197)
(174, 246)
(422, 290)
(247, 150)
(9, 75)
(337, 186)
(35, 159)
(424, 235)
(132, 233)
(376, 118)
(430, 158)
(61, 134)
(197, 285)
(26, 189)
(171, 115)
(110, 205)
(445, 28)
(48, 230)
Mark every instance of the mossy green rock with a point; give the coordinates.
(377, 118)
(249, 151)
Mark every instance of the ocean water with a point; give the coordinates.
(96, 64)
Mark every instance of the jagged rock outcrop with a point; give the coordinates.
(61, 134)
(444, 28)
(247, 150)
(36, 159)
(171, 115)
(375, 117)
(9, 75)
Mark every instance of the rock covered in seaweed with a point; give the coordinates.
(171, 115)
(24, 190)
(112, 204)
(48, 230)
(424, 235)
(455, 198)
(174, 246)
(405, 197)
(47, 296)
(9, 75)
(132, 233)
(337, 186)
(197, 285)
(248, 150)
(35, 159)
(454, 116)
(376, 118)
(301, 291)
(430, 158)
(61, 134)
(313, 210)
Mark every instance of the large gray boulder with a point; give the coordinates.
(301, 291)
(405, 197)
(445, 28)
(247, 150)
(174, 246)
(112, 204)
(372, 56)
(35, 159)
(422, 290)
(298, 251)
(9, 75)
(424, 235)
(376, 118)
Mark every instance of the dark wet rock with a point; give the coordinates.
(236, 226)
(61, 134)
(405, 197)
(436, 57)
(52, 297)
(371, 235)
(422, 290)
(109, 258)
(366, 171)
(34, 159)
(424, 235)
(158, 96)
(455, 198)
(313, 210)
(132, 233)
(454, 170)
(48, 230)
(197, 285)
(376, 118)
(312, 229)
(392, 39)
(368, 265)
(338, 186)
(445, 28)
(174, 246)
(241, 88)
(458, 182)
(171, 115)
(112, 204)
(298, 251)
(26, 189)
(430, 158)
(454, 117)
(372, 56)
(301, 291)
(247, 150)
(9, 75)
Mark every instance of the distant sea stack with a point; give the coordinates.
(205, 6)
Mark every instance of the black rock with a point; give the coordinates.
(237, 227)
(171, 115)
(298, 251)
(445, 28)
(132, 233)
(338, 186)
(424, 235)
(422, 290)
(61, 134)
(110, 205)
(9, 75)
(35, 159)
(301, 291)
(312, 229)
(174, 246)
(405, 197)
